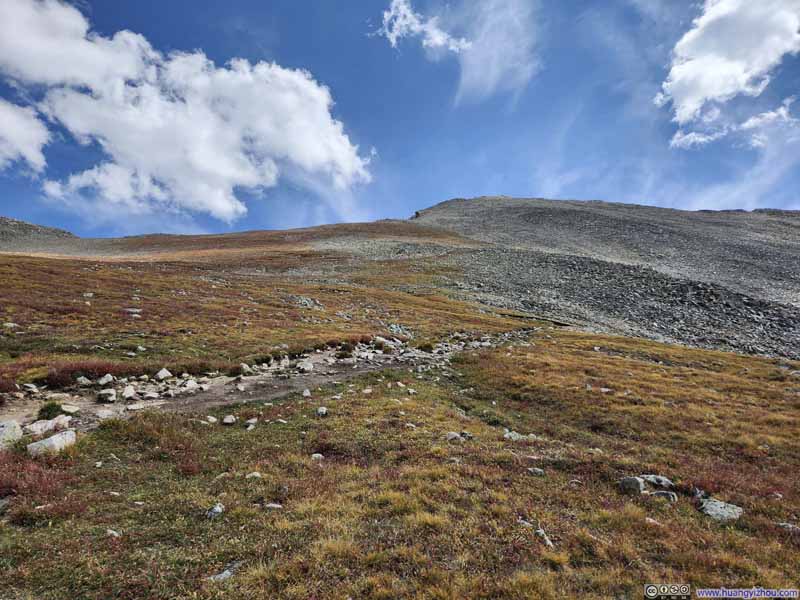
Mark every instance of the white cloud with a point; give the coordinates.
(694, 138)
(502, 57)
(731, 49)
(179, 132)
(22, 136)
(400, 21)
(497, 52)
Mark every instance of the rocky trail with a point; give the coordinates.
(89, 403)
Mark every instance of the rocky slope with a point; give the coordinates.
(19, 234)
(726, 280)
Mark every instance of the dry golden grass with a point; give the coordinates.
(398, 512)
(199, 317)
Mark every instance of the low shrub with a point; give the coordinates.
(50, 410)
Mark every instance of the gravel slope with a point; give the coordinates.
(755, 253)
(728, 280)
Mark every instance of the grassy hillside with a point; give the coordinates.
(395, 510)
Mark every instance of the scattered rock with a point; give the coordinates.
(305, 366)
(720, 511)
(129, 392)
(306, 393)
(658, 481)
(536, 471)
(632, 486)
(163, 374)
(253, 475)
(46, 425)
(790, 527)
(31, 388)
(105, 380)
(228, 420)
(670, 496)
(108, 395)
(453, 436)
(53, 444)
(10, 432)
(273, 506)
(112, 533)
(104, 414)
(70, 409)
(322, 411)
(215, 511)
(317, 456)
(83, 381)
(229, 572)
(211, 419)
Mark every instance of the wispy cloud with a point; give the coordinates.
(496, 42)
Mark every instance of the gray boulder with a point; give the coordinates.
(163, 374)
(53, 444)
(720, 511)
(108, 395)
(10, 432)
(632, 486)
(658, 481)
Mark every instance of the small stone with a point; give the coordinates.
(306, 393)
(253, 475)
(273, 506)
(453, 436)
(536, 471)
(45, 425)
(252, 421)
(10, 432)
(10, 325)
(228, 420)
(135, 406)
(83, 381)
(317, 456)
(141, 349)
(129, 392)
(322, 411)
(658, 481)
(105, 380)
(53, 444)
(245, 369)
(720, 511)
(104, 414)
(229, 572)
(211, 419)
(305, 366)
(70, 409)
(367, 391)
(112, 533)
(31, 388)
(240, 388)
(108, 395)
(163, 374)
(215, 511)
(670, 496)
(632, 486)
(513, 436)
(790, 527)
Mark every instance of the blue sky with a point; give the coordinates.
(131, 117)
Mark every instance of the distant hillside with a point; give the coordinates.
(13, 231)
(755, 253)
